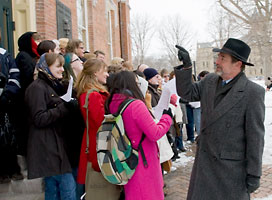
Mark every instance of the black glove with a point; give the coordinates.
(252, 183)
(168, 112)
(72, 104)
(184, 56)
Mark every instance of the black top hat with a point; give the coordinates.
(237, 49)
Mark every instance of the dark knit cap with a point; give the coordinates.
(150, 73)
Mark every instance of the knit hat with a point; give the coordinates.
(150, 73)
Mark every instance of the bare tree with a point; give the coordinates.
(174, 30)
(222, 26)
(142, 29)
(255, 16)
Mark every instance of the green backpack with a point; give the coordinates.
(116, 158)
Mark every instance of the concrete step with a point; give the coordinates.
(23, 189)
(22, 196)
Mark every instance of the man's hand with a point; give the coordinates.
(252, 183)
(184, 56)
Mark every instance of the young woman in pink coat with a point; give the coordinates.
(147, 182)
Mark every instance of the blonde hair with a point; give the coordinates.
(63, 42)
(89, 56)
(87, 79)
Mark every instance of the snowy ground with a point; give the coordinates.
(267, 156)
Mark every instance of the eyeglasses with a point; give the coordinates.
(165, 76)
(77, 59)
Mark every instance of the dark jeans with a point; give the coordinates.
(190, 125)
(179, 140)
(60, 187)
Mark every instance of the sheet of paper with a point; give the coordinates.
(68, 96)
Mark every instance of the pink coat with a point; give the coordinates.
(146, 183)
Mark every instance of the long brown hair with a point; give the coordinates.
(124, 82)
(87, 79)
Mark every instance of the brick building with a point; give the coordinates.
(100, 24)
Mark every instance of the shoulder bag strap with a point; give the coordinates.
(87, 116)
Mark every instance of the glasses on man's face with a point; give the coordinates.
(166, 76)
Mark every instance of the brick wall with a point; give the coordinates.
(98, 24)
(46, 17)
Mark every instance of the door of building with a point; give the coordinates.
(6, 25)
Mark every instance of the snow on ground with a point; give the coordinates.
(267, 156)
(265, 198)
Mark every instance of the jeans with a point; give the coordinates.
(60, 187)
(197, 117)
(190, 125)
(179, 140)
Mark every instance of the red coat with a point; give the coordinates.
(95, 118)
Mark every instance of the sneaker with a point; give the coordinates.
(190, 141)
(17, 176)
(4, 179)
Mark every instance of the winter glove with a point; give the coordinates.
(173, 100)
(252, 183)
(168, 112)
(71, 105)
(184, 56)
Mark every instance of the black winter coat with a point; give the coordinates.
(46, 113)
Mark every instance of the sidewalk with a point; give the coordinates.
(178, 181)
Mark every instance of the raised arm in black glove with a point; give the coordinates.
(183, 55)
(168, 112)
(252, 183)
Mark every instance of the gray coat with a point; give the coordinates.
(231, 142)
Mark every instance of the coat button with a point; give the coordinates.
(215, 159)
(55, 105)
(228, 125)
(52, 95)
(133, 141)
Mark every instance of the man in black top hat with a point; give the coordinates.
(228, 162)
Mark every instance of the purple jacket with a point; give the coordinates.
(146, 183)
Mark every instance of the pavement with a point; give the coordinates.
(177, 181)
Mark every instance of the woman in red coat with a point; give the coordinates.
(93, 76)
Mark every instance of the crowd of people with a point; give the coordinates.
(43, 116)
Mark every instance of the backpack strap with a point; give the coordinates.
(120, 111)
(86, 105)
(142, 151)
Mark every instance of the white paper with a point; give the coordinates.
(68, 96)
(168, 89)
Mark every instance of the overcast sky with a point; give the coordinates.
(195, 12)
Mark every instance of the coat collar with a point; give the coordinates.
(230, 100)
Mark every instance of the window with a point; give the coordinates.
(82, 21)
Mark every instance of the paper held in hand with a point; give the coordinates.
(68, 96)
